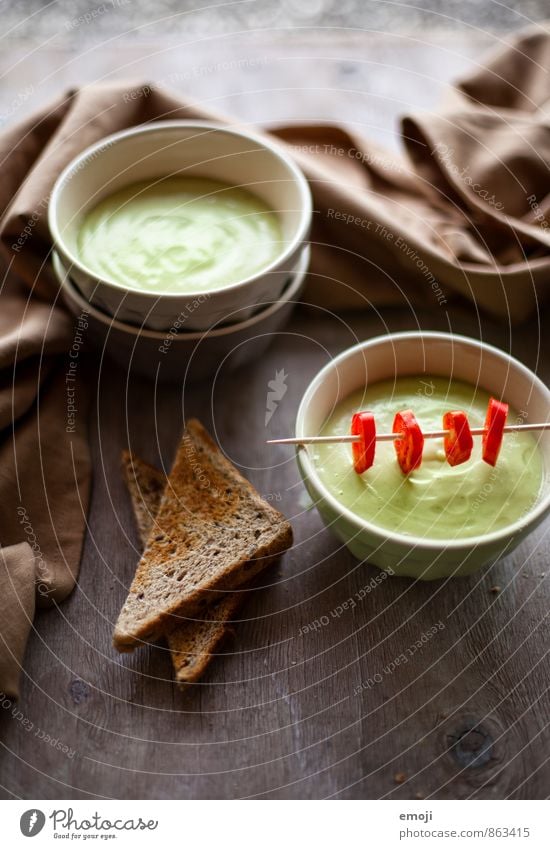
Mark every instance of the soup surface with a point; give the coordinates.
(179, 234)
(437, 500)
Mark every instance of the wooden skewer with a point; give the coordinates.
(388, 437)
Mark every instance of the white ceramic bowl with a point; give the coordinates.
(183, 355)
(398, 355)
(184, 148)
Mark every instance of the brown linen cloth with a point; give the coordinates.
(44, 470)
(463, 211)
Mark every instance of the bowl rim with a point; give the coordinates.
(290, 292)
(430, 543)
(92, 152)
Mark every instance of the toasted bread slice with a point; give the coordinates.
(212, 534)
(145, 483)
(192, 644)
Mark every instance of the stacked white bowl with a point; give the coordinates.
(134, 325)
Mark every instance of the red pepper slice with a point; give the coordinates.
(362, 424)
(409, 447)
(459, 441)
(497, 411)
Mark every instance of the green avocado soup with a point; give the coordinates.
(436, 501)
(179, 234)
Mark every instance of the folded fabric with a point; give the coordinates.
(462, 212)
(44, 467)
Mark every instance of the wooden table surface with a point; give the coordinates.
(287, 712)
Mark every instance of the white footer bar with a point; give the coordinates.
(261, 824)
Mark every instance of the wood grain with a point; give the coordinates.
(289, 711)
